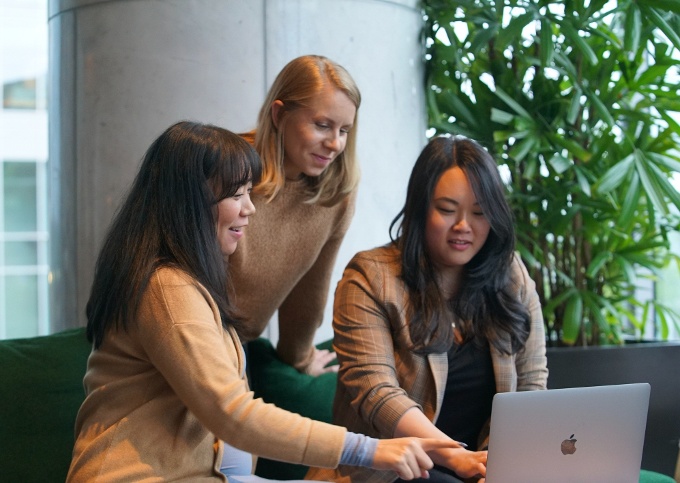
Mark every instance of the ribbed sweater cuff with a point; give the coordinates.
(358, 450)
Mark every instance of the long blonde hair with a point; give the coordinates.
(298, 82)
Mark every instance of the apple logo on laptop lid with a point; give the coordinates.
(568, 446)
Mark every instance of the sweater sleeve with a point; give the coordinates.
(181, 332)
(301, 314)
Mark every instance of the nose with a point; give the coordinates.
(335, 142)
(462, 224)
(247, 208)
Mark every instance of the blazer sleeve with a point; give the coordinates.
(301, 314)
(363, 327)
(531, 363)
(182, 334)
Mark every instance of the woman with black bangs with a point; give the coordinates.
(429, 327)
(167, 398)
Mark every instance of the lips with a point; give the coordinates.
(322, 159)
(460, 244)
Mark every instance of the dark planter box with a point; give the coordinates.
(657, 363)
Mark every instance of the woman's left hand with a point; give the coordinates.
(466, 464)
(320, 360)
(409, 457)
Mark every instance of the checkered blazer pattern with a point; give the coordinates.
(380, 378)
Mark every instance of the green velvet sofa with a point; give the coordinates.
(41, 390)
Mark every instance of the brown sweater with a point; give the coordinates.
(161, 395)
(285, 263)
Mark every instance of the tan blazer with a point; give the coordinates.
(380, 379)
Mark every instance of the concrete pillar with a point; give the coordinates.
(121, 71)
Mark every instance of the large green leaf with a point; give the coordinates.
(658, 20)
(560, 164)
(570, 145)
(547, 45)
(514, 105)
(616, 174)
(582, 181)
(650, 181)
(664, 5)
(598, 263)
(574, 37)
(631, 34)
(573, 316)
(630, 203)
(501, 117)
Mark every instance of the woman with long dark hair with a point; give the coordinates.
(167, 398)
(429, 327)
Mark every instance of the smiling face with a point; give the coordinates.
(315, 135)
(456, 228)
(232, 218)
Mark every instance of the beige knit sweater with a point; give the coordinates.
(161, 395)
(285, 263)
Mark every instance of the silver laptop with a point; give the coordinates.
(575, 435)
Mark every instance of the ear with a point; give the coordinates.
(277, 112)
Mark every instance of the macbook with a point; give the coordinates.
(574, 435)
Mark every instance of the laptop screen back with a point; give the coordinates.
(568, 435)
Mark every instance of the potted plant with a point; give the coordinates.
(579, 103)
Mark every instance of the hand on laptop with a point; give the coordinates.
(408, 457)
(466, 464)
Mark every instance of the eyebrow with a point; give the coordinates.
(332, 121)
(451, 200)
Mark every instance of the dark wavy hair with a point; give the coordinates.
(169, 219)
(483, 307)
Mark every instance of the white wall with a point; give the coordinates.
(122, 71)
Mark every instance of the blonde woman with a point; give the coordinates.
(306, 137)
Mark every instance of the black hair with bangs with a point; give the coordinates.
(169, 219)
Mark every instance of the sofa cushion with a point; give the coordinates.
(282, 385)
(40, 394)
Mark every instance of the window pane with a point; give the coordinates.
(20, 197)
(24, 239)
(21, 253)
(19, 95)
(667, 286)
(21, 307)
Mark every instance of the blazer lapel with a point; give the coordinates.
(439, 365)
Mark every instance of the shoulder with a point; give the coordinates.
(521, 283)
(176, 290)
(249, 136)
(175, 301)
(168, 276)
(385, 254)
(379, 263)
(517, 267)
